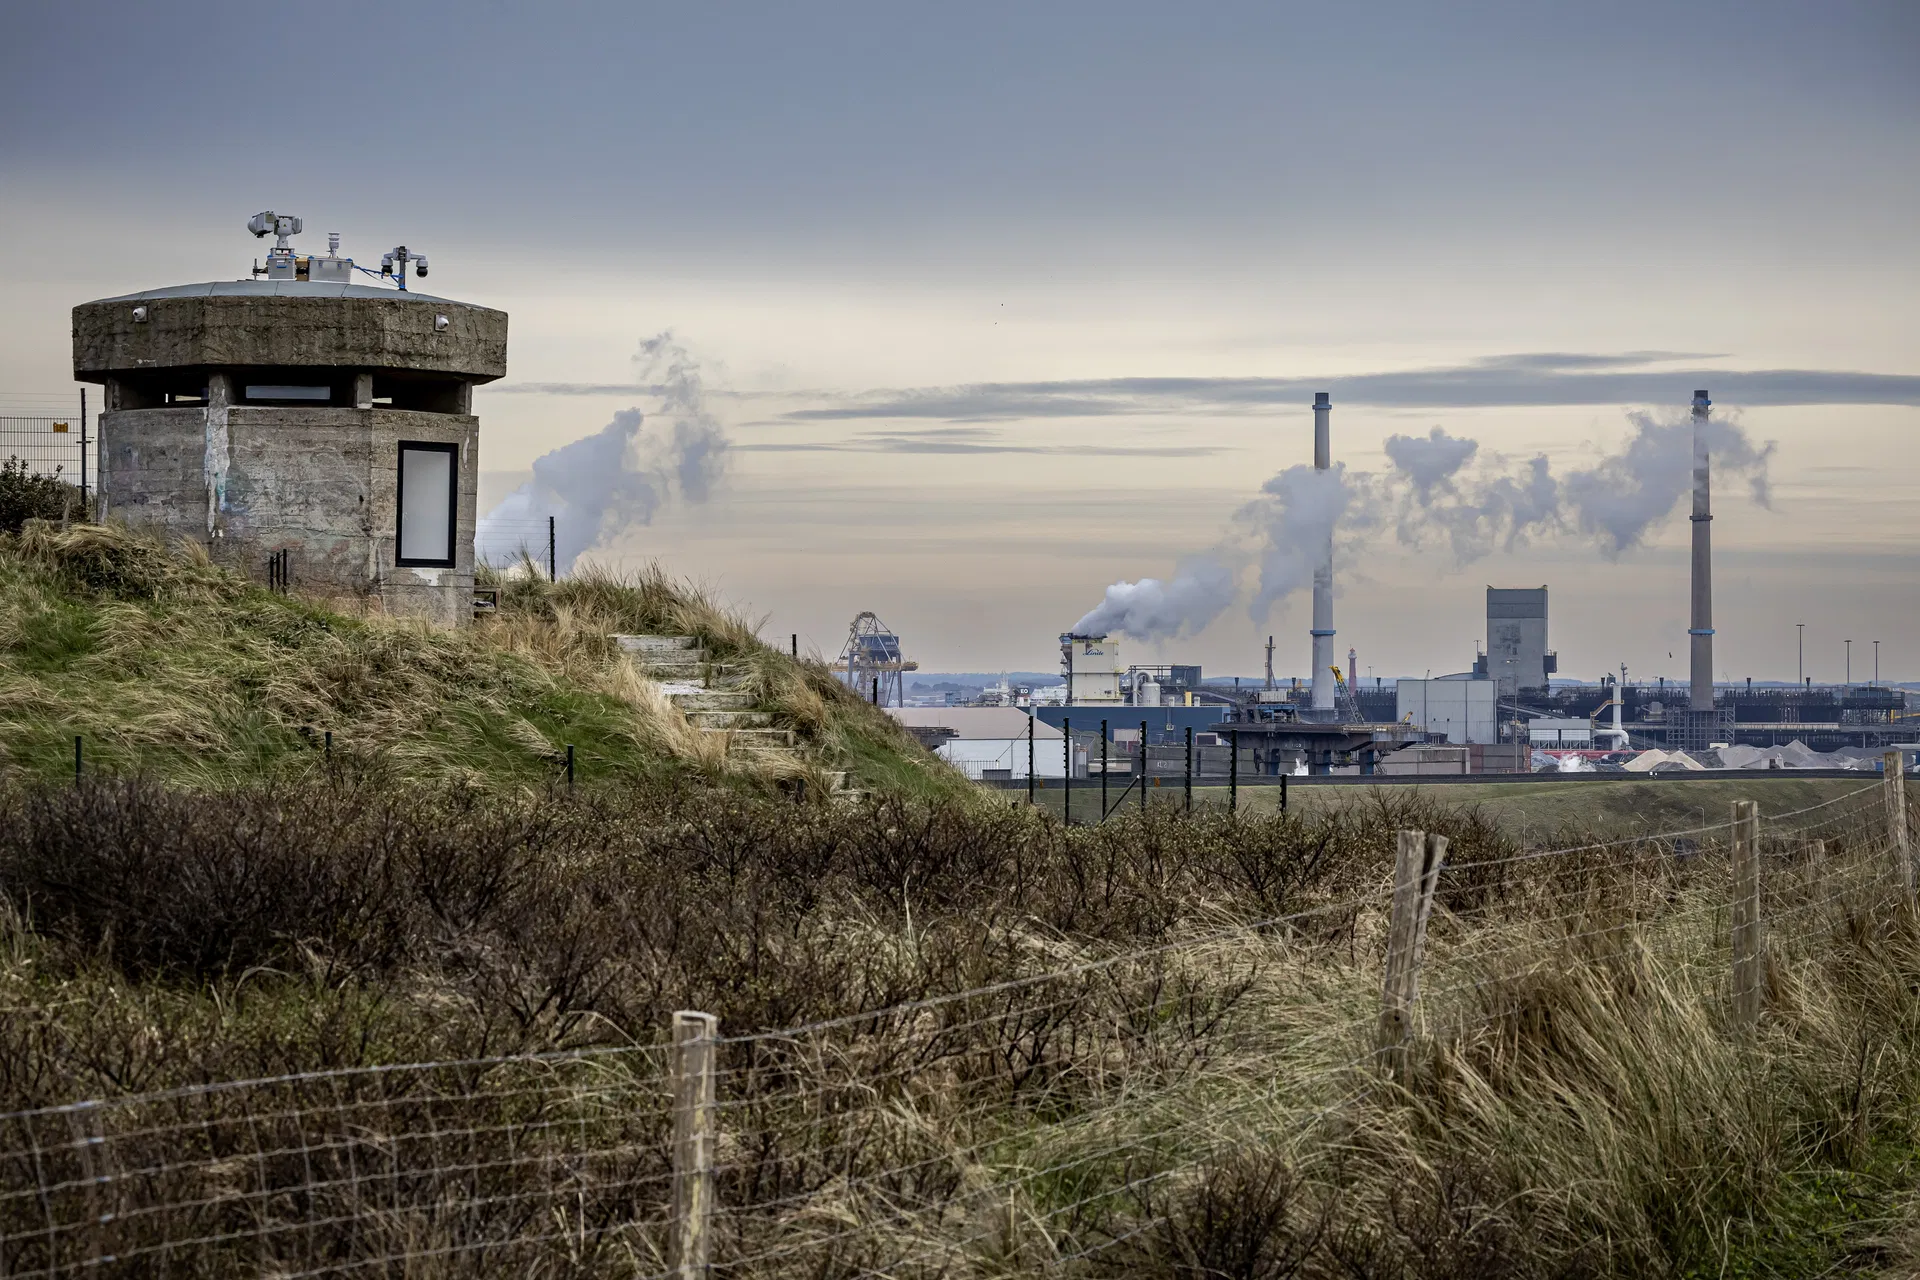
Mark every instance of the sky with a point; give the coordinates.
(996, 305)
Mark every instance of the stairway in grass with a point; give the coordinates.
(711, 695)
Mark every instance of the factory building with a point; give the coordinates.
(991, 743)
(1091, 665)
(1460, 709)
(305, 429)
(1517, 656)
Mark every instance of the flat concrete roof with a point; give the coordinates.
(974, 722)
(275, 289)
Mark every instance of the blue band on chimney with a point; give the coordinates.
(1320, 633)
(1699, 631)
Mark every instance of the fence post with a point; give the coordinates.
(693, 1071)
(1895, 782)
(1188, 799)
(1066, 783)
(569, 765)
(76, 759)
(553, 562)
(1233, 771)
(1416, 870)
(1103, 771)
(1283, 793)
(1749, 957)
(796, 645)
(1143, 766)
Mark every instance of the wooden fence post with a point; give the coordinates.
(1895, 782)
(1749, 944)
(1416, 870)
(693, 1141)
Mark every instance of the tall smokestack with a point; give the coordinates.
(1323, 573)
(1701, 632)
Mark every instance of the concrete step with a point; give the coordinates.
(761, 739)
(695, 672)
(672, 660)
(655, 644)
(712, 700)
(730, 719)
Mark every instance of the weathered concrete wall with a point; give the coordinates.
(321, 484)
(389, 330)
(152, 464)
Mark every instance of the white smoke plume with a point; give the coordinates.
(1151, 609)
(1623, 496)
(619, 477)
(1441, 488)
(1615, 502)
(1289, 525)
(1431, 461)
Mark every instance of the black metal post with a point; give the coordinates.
(876, 691)
(76, 759)
(1189, 788)
(1143, 766)
(1103, 771)
(553, 561)
(796, 644)
(1029, 757)
(1233, 771)
(569, 764)
(327, 750)
(1066, 783)
(83, 449)
(1283, 793)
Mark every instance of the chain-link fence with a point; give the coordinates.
(54, 444)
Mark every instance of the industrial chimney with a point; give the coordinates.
(1701, 633)
(1323, 572)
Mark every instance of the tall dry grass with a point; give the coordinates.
(1045, 1051)
(166, 664)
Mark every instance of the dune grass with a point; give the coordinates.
(165, 665)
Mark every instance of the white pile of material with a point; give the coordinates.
(1648, 761)
(1795, 755)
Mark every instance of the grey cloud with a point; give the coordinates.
(1520, 380)
(970, 439)
(915, 444)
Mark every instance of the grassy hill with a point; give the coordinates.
(168, 666)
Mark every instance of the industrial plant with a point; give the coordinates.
(1505, 713)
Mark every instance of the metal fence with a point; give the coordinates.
(57, 444)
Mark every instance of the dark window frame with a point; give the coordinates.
(400, 501)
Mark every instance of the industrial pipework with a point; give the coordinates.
(1700, 697)
(1323, 572)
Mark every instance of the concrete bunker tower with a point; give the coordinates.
(300, 423)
